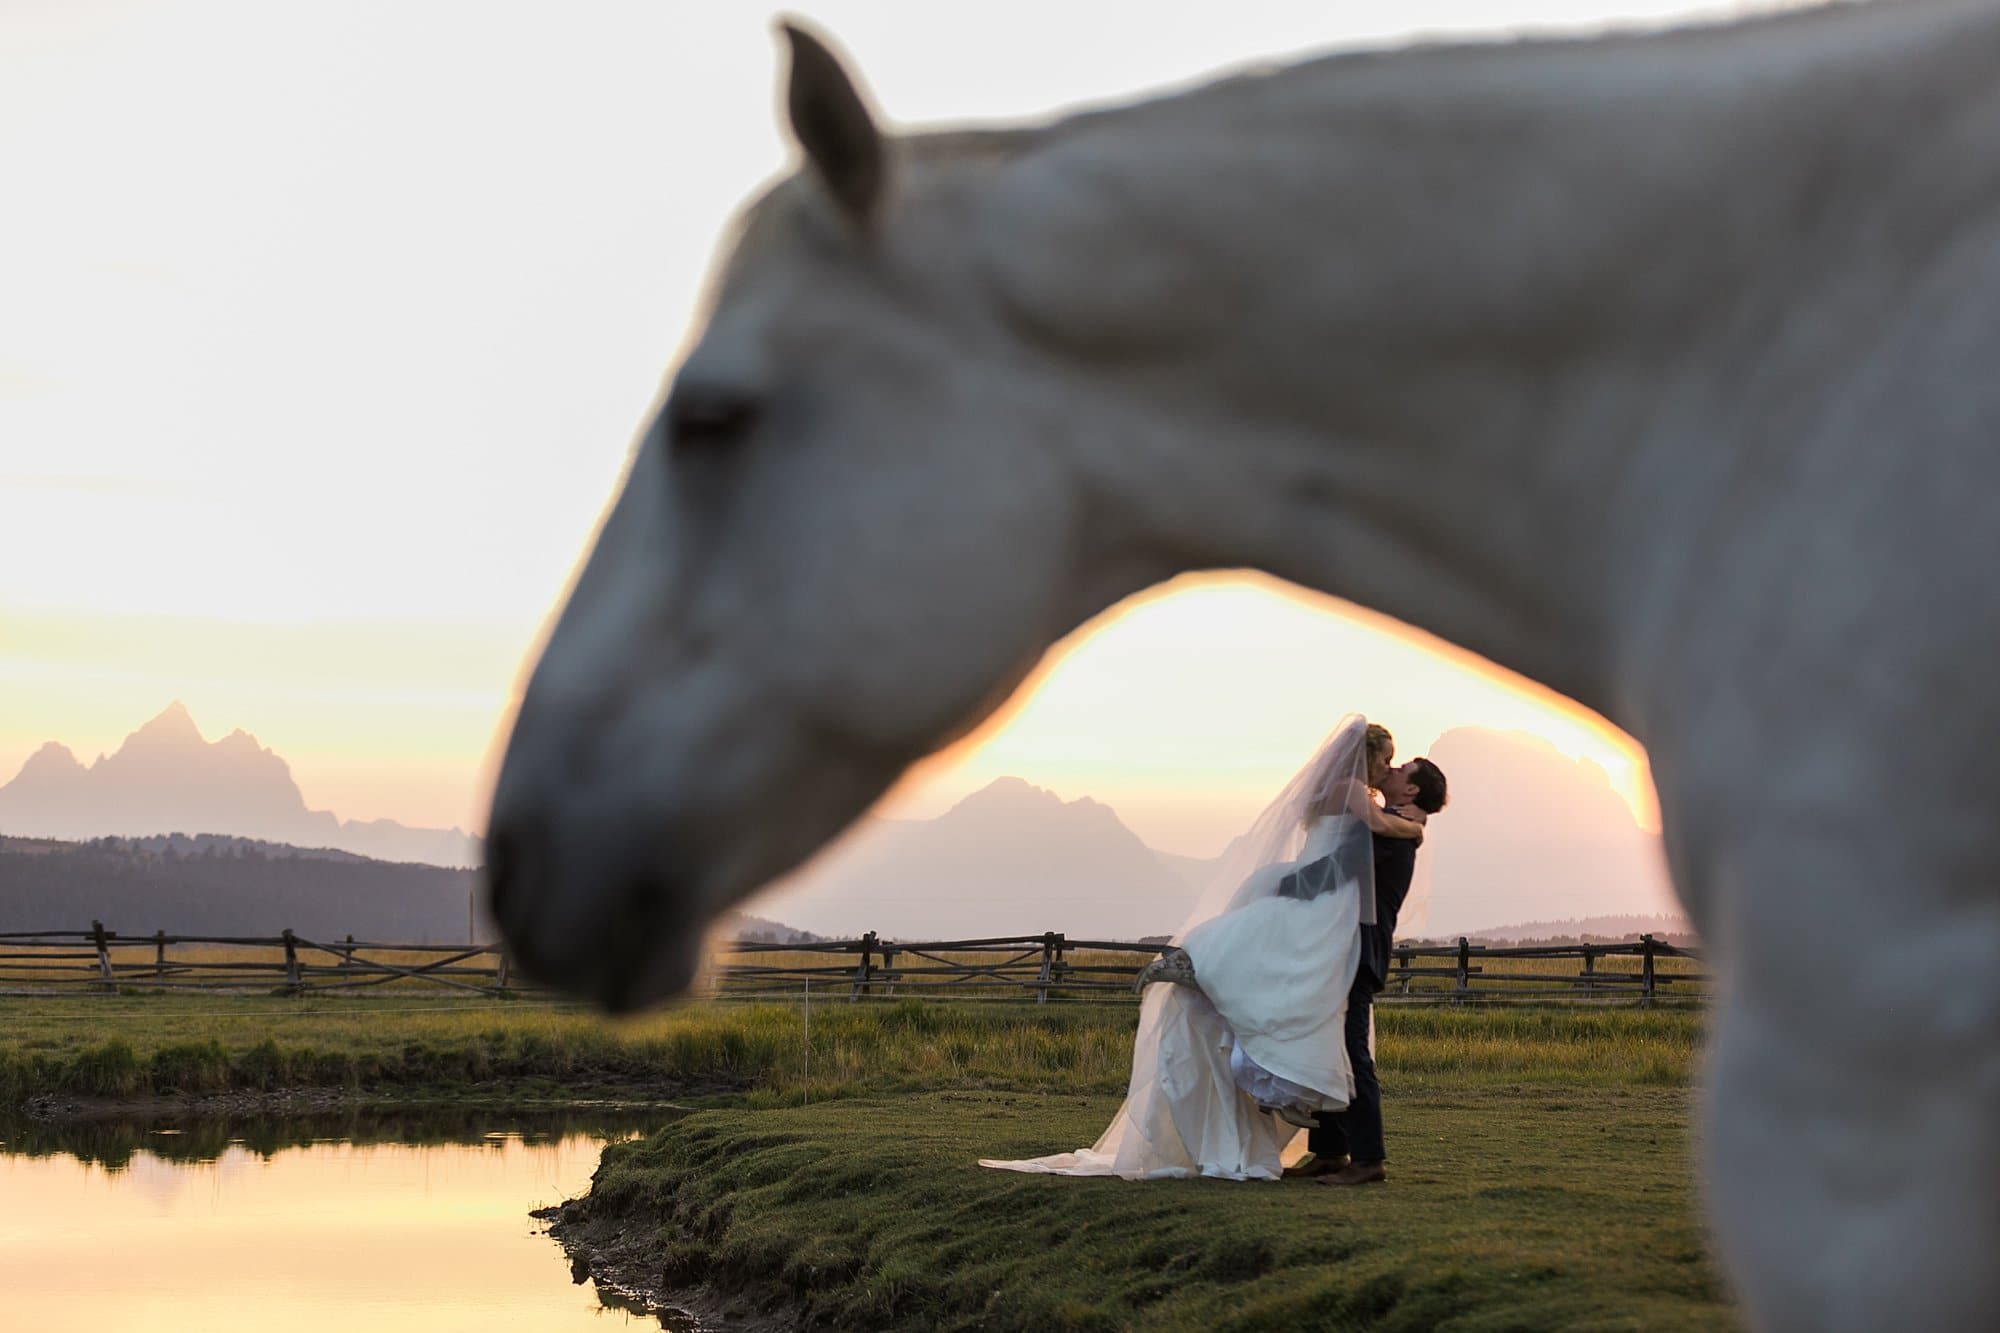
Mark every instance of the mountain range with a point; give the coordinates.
(1529, 835)
(1010, 859)
(166, 778)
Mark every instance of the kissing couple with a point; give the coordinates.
(1256, 1035)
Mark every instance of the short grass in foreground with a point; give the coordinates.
(1510, 1207)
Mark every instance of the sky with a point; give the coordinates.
(325, 330)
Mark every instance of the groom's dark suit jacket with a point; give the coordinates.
(1395, 866)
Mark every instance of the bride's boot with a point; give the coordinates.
(1172, 966)
(1292, 1115)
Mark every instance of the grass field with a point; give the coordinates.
(1540, 1158)
(124, 1045)
(1509, 1208)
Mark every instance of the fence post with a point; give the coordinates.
(103, 954)
(1403, 963)
(160, 954)
(861, 979)
(291, 961)
(1589, 971)
(889, 968)
(1646, 971)
(1464, 969)
(1051, 949)
(347, 953)
(500, 978)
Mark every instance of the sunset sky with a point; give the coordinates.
(325, 328)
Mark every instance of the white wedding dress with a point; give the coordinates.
(1266, 1025)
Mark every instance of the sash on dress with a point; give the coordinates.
(1309, 881)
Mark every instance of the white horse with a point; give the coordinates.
(1664, 370)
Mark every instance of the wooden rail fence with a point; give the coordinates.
(1053, 966)
(100, 960)
(1046, 967)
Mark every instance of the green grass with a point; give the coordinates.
(127, 1046)
(1509, 1208)
(1539, 1155)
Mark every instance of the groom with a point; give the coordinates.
(1347, 1147)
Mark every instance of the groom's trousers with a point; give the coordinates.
(1357, 1131)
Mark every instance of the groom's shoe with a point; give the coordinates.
(1356, 1173)
(1174, 965)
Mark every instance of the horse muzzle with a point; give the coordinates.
(591, 904)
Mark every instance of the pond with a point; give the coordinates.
(307, 1224)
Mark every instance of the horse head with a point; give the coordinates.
(799, 590)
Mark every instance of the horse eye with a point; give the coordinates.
(709, 419)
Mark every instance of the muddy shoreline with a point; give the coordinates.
(60, 1107)
(63, 1108)
(624, 1253)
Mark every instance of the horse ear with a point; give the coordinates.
(831, 122)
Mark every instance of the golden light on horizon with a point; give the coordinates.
(1184, 707)
(1115, 711)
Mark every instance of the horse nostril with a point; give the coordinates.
(501, 859)
(647, 937)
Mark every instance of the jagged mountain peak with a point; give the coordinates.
(55, 752)
(166, 778)
(54, 762)
(1008, 792)
(173, 722)
(1012, 796)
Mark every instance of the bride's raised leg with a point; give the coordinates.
(1172, 966)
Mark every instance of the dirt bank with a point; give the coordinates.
(670, 1096)
(623, 1252)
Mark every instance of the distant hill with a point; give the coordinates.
(227, 886)
(1009, 859)
(166, 778)
(1531, 834)
(216, 885)
(742, 926)
(1592, 930)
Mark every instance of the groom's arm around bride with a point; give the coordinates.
(1348, 1147)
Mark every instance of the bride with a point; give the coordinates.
(1230, 1066)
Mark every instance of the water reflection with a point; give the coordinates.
(110, 1142)
(406, 1222)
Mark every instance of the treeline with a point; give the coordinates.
(212, 885)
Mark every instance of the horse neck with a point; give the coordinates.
(1448, 333)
